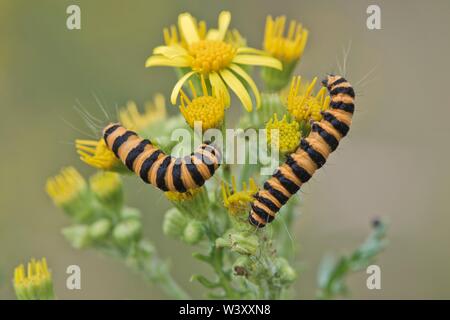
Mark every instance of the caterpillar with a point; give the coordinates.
(310, 155)
(155, 167)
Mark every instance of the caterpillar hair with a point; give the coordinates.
(155, 167)
(310, 155)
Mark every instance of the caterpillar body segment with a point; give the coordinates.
(310, 155)
(157, 168)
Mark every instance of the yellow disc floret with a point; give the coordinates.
(211, 55)
(209, 110)
(288, 136)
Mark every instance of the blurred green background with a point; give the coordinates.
(394, 163)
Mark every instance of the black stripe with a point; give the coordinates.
(344, 90)
(255, 222)
(327, 137)
(282, 199)
(120, 140)
(341, 127)
(147, 165)
(161, 174)
(262, 214)
(135, 152)
(109, 131)
(267, 202)
(286, 183)
(335, 83)
(315, 156)
(177, 181)
(299, 172)
(341, 105)
(193, 171)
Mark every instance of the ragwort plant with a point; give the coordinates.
(247, 263)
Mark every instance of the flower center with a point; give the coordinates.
(210, 55)
(208, 110)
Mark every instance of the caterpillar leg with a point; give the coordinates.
(310, 155)
(158, 169)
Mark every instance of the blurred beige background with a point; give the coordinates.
(393, 164)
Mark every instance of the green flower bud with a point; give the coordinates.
(130, 213)
(107, 188)
(285, 272)
(240, 242)
(174, 223)
(100, 229)
(193, 232)
(127, 231)
(34, 282)
(78, 236)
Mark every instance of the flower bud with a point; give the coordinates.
(35, 283)
(78, 236)
(285, 272)
(99, 230)
(107, 188)
(174, 223)
(130, 213)
(127, 231)
(69, 191)
(193, 232)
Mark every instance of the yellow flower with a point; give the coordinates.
(288, 133)
(96, 154)
(237, 201)
(285, 47)
(206, 52)
(33, 283)
(66, 187)
(132, 119)
(303, 106)
(207, 109)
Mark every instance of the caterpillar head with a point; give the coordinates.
(330, 79)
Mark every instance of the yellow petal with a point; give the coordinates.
(178, 85)
(170, 51)
(238, 88)
(188, 28)
(244, 75)
(219, 87)
(164, 61)
(224, 22)
(258, 61)
(251, 50)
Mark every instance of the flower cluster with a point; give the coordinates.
(210, 62)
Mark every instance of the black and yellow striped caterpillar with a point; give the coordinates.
(155, 167)
(310, 155)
